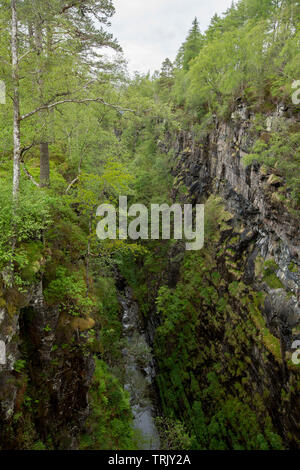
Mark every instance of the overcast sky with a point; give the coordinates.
(151, 30)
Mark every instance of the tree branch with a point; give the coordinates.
(25, 55)
(72, 184)
(68, 93)
(71, 5)
(25, 149)
(30, 176)
(75, 179)
(82, 101)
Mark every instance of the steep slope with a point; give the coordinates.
(223, 320)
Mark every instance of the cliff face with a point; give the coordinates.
(44, 397)
(215, 166)
(244, 309)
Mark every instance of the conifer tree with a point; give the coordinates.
(191, 47)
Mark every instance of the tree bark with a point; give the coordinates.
(16, 101)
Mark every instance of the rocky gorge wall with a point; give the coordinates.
(228, 316)
(44, 397)
(216, 167)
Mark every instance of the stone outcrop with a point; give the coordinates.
(45, 395)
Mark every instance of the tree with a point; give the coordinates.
(191, 47)
(53, 62)
(216, 27)
(59, 34)
(16, 100)
(167, 69)
(166, 76)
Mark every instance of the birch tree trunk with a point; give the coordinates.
(16, 101)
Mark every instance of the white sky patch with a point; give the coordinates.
(150, 31)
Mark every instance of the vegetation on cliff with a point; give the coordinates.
(89, 133)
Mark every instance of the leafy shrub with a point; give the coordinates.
(69, 290)
(109, 427)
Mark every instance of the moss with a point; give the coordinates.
(271, 342)
(216, 217)
(82, 324)
(259, 266)
(2, 302)
(272, 281)
(11, 309)
(266, 271)
(274, 180)
(276, 197)
(293, 268)
(33, 253)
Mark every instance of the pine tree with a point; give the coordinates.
(191, 47)
(76, 20)
(167, 69)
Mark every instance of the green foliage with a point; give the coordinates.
(250, 53)
(110, 424)
(31, 217)
(69, 290)
(213, 403)
(191, 47)
(280, 151)
(173, 435)
(19, 365)
(237, 422)
(39, 446)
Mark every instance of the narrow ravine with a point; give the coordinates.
(139, 373)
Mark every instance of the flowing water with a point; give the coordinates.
(139, 373)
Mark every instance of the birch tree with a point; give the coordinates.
(16, 100)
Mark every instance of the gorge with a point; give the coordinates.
(136, 342)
